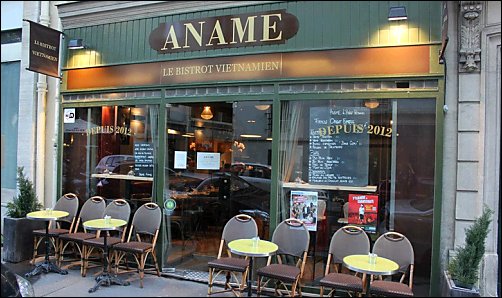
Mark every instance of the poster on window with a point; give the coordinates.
(304, 207)
(180, 159)
(208, 161)
(363, 211)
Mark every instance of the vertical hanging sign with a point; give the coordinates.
(45, 45)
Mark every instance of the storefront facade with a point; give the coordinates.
(273, 109)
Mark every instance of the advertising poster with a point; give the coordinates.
(304, 207)
(363, 211)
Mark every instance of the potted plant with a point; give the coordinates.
(462, 275)
(18, 238)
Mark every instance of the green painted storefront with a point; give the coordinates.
(325, 29)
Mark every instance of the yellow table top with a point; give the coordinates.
(246, 247)
(47, 215)
(100, 224)
(360, 263)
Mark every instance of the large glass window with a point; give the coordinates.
(10, 115)
(110, 151)
(218, 164)
(370, 162)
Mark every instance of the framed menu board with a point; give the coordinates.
(339, 146)
(143, 159)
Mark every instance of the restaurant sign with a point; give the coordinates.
(272, 66)
(231, 31)
(44, 50)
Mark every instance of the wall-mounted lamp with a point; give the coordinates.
(75, 44)
(371, 103)
(206, 113)
(397, 13)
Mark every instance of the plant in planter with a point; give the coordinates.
(18, 238)
(463, 268)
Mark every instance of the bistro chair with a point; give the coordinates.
(396, 247)
(241, 226)
(69, 203)
(93, 208)
(348, 240)
(345, 219)
(322, 222)
(292, 238)
(118, 209)
(145, 228)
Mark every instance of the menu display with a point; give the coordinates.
(143, 159)
(339, 146)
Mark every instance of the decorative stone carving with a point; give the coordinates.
(470, 36)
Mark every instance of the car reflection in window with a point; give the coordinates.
(233, 192)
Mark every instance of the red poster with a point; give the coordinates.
(363, 211)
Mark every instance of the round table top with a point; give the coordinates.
(360, 263)
(246, 247)
(100, 224)
(46, 215)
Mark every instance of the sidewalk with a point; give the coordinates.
(74, 285)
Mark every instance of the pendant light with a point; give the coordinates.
(206, 113)
(371, 103)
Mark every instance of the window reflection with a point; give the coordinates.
(378, 162)
(216, 168)
(110, 151)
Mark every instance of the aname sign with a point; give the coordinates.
(252, 29)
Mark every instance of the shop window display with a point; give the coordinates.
(377, 158)
(111, 151)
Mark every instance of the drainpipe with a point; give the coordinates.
(55, 140)
(41, 106)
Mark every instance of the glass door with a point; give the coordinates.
(218, 164)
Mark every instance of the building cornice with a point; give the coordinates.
(75, 14)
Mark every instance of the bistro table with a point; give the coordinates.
(105, 278)
(361, 264)
(249, 248)
(46, 265)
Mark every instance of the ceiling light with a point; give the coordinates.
(250, 136)
(262, 107)
(206, 113)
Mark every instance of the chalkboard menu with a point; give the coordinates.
(143, 159)
(339, 146)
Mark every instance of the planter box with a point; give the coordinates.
(18, 238)
(451, 290)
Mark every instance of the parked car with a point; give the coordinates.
(109, 163)
(117, 188)
(183, 180)
(223, 195)
(251, 170)
(13, 285)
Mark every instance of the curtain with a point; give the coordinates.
(153, 114)
(291, 116)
